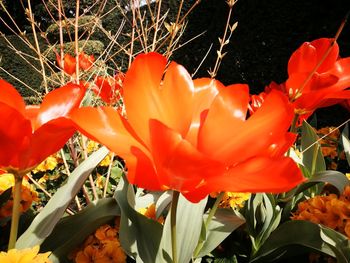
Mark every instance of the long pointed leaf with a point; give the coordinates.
(189, 219)
(139, 235)
(221, 226)
(72, 230)
(311, 147)
(47, 219)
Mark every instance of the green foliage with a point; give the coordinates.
(263, 216)
(15, 64)
(189, 219)
(290, 237)
(312, 155)
(221, 226)
(346, 142)
(88, 28)
(90, 47)
(71, 231)
(46, 220)
(139, 236)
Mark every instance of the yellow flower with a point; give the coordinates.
(94, 146)
(231, 199)
(29, 194)
(29, 255)
(107, 160)
(48, 164)
(150, 212)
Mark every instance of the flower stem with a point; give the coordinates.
(17, 188)
(173, 224)
(207, 222)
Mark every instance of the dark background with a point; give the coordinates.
(267, 34)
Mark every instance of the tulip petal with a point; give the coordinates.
(226, 114)
(180, 166)
(256, 175)
(146, 96)
(141, 171)
(59, 102)
(259, 174)
(265, 125)
(322, 45)
(46, 140)
(304, 59)
(106, 126)
(10, 96)
(15, 132)
(205, 90)
(141, 91)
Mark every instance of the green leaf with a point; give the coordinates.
(189, 219)
(335, 178)
(312, 155)
(346, 142)
(224, 222)
(71, 231)
(138, 235)
(47, 219)
(290, 236)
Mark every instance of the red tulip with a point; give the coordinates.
(86, 61)
(69, 62)
(193, 136)
(29, 134)
(109, 88)
(68, 65)
(317, 76)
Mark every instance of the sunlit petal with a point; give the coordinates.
(10, 96)
(59, 102)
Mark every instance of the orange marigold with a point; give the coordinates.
(101, 247)
(29, 195)
(331, 211)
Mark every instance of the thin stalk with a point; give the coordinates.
(92, 184)
(132, 33)
(223, 42)
(319, 139)
(173, 32)
(293, 128)
(59, 7)
(156, 26)
(108, 176)
(32, 22)
(174, 203)
(207, 222)
(76, 40)
(314, 159)
(17, 197)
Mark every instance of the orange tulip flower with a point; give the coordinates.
(193, 136)
(29, 134)
(109, 88)
(317, 76)
(69, 62)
